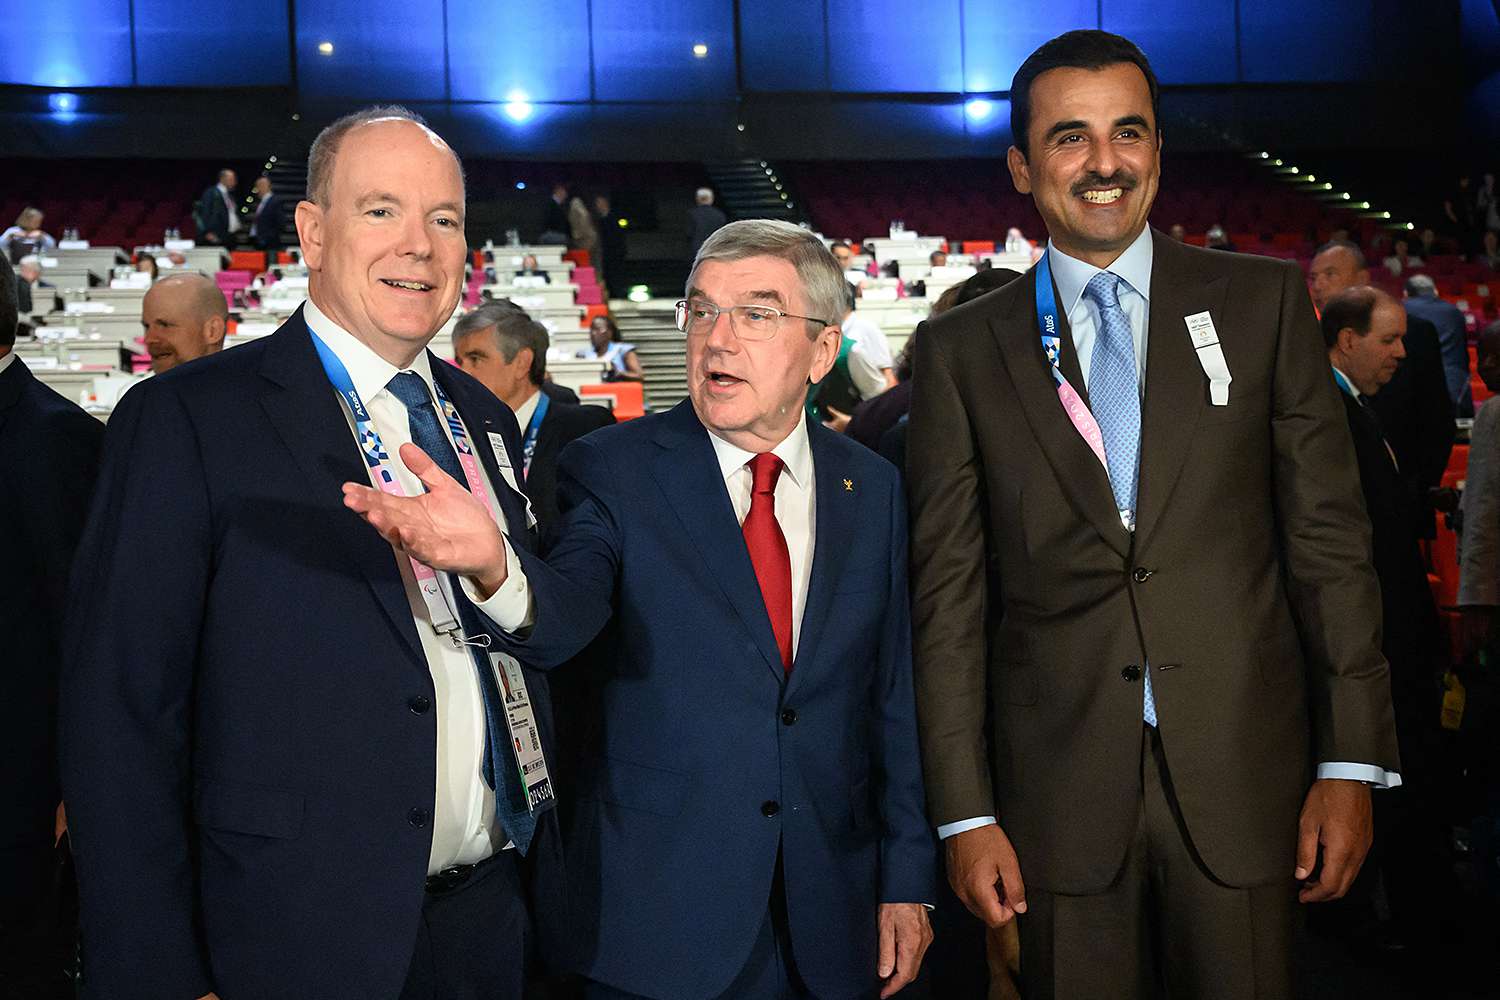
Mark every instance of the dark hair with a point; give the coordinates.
(1351, 309)
(1086, 49)
(10, 296)
(1350, 245)
(609, 324)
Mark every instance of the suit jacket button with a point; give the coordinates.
(417, 818)
(1141, 574)
(789, 717)
(1131, 673)
(769, 809)
(419, 705)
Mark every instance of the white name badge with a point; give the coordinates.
(1211, 356)
(502, 459)
(525, 737)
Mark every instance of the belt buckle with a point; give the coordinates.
(449, 878)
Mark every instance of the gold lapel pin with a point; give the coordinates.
(848, 486)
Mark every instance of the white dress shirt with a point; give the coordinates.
(525, 410)
(6, 360)
(866, 333)
(795, 504)
(464, 829)
(234, 217)
(1133, 267)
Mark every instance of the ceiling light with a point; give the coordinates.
(700, 51)
(517, 106)
(978, 109)
(325, 48)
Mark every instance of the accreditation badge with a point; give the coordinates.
(525, 737)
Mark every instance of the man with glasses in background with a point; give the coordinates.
(750, 820)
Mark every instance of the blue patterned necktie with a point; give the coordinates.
(1114, 391)
(510, 801)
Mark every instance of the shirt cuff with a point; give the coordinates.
(964, 825)
(1379, 777)
(511, 607)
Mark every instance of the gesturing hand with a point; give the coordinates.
(1337, 817)
(905, 933)
(447, 528)
(986, 875)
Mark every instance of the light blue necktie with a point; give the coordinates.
(510, 794)
(1114, 391)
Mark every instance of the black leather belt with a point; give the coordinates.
(451, 878)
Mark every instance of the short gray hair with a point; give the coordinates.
(512, 329)
(1421, 286)
(325, 147)
(822, 279)
(704, 196)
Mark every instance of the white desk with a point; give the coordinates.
(72, 276)
(100, 260)
(548, 258)
(539, 297)
(111, 353)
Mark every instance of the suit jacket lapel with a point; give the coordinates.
(12, 381)
(834, 522)
(306, 413)
(1078, 472)
(687, 470)
(1176, 389)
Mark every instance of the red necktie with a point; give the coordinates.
(768, 551)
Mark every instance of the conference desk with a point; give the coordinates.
(548, 258)
(72, 276)
(575, 372)
(100, 260)
(208, 259)
(125, 300)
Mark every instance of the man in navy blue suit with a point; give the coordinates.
(749, 819)
(288, 754)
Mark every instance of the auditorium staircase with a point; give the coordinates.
(752, 189)
(659, 346)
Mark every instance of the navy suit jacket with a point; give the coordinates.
(49, 455)
(265, 226)
(707, 761)
(247, 760)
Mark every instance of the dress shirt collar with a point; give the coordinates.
(1346, 384)
(369, 372)
(7, 359)
(526, 409)
(794, 452)
(1072, 275)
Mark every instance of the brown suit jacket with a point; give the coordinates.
(1246, 586)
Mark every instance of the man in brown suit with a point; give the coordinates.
(1138, 543)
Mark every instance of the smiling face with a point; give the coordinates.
(386, 254)
(751, 393)
(1095, 158)
(180, 320)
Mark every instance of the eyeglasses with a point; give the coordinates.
(696, 317)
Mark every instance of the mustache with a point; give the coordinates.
(1123, 179)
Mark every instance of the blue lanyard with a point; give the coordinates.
(1046, 317)
(1343, 383)
(533, 429)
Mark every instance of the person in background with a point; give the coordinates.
(1427, 245)
(506, 350)
(1489, 250)
(611, 242)
(1414, 409)
(620, 361)
(1401, 258)
(555, 226)
(876, 418)
(36, 294)
(1363, 329)
(867, 335)
(1453, 337)
(938, 258)
(530, 269)
(49, 457)
(582, 230)
(265, 226)
(1178, 233)
(147, 263)
(215, 214)
(704, 219)
(1217, 239)
(183, 317)
(1479, 599)
(852, 379)
(26, 236)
